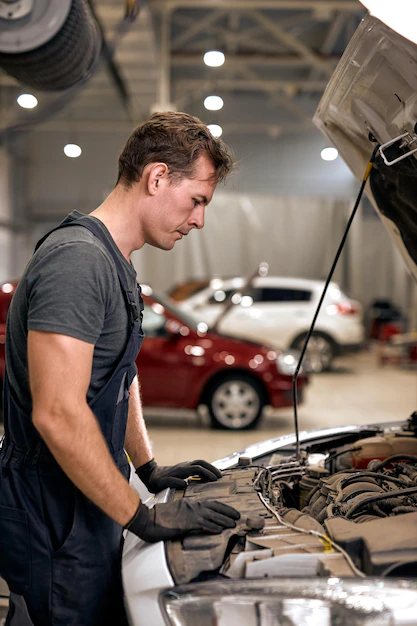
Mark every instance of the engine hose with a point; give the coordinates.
(314, 498)
(322, 515)
(365, 518)
(408, 470)
(318, 506)
(357, 489)
(311, 494)
(378, 498)
(389, 503)
(404, 509)
(394, 457)
(333, 456)
(379, 512)
(375, 475)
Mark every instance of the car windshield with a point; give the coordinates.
(174, 310)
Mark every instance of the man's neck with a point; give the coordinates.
(117, 214)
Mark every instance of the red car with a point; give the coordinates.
(182, 365)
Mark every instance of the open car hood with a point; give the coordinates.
(372, 98)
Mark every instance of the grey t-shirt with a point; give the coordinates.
(71, 287)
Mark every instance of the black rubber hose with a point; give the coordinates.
(394, 457)
(383, 496)
(331, 457)
(377, 475)
(404, 509)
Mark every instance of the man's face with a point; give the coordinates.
(179, 207)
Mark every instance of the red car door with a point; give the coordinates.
(165, 370)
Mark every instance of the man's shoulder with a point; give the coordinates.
(74, 240)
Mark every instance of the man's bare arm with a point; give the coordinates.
(59, 374)
(137, 441)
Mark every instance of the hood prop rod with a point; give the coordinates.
(329, 278)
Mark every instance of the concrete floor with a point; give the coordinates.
(357, 391)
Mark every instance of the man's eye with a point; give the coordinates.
(196, 202)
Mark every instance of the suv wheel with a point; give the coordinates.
(320, 351)
(235, 402)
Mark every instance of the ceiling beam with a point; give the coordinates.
(237, 84)
(350, 6)
(291, 41)
(241, 61)
(281, 98)
(332, 35)
(196, 28)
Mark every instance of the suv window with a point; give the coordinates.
(264, 294)
(278, 294)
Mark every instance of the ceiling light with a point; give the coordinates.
(214, 58)
(329, 154)
(400, 15)
(72, 150)
(27, 101)
(213, 103)
(215, 130)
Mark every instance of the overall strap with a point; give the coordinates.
(94, 228)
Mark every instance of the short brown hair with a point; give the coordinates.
(177, 139)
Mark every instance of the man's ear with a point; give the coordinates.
(157, 172)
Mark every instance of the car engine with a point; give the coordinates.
(344, 509)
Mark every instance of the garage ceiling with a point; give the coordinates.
(279, 57)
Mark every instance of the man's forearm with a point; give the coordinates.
(137, 441)
(76, 442)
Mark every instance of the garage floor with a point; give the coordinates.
(357, 391)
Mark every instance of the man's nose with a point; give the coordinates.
(197, 218)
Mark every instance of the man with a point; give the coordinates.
(71, 398)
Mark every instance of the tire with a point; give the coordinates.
(63, 61)
(235, 402)
(321, 351)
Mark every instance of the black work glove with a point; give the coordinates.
(172, 520)
(157, 478)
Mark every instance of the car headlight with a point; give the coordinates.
(325, 602)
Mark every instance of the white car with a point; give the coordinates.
(327, 534)
(279, 310)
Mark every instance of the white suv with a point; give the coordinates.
(278, 311)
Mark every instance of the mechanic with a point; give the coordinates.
(72, 399)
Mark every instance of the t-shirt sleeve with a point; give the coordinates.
(69, 291)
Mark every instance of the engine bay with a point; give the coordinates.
(346, 507)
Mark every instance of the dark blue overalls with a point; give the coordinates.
(59, 553)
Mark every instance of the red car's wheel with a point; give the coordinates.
(235, 402)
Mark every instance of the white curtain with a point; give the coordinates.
(297, 236)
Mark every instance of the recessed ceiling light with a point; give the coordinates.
(215, 130)
(213, 103)
(329, 154)
(27, 101)
(400, 15)
(214, 58)
(72, 150)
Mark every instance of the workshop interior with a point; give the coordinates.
(280, 339)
